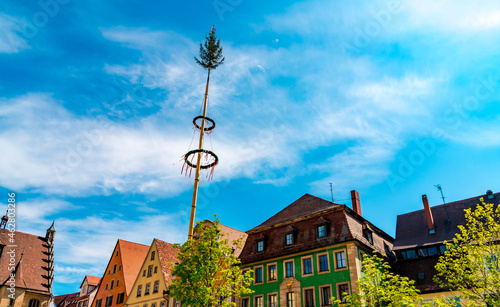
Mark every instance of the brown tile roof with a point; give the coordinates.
(34, 264)
(306, 205)
(342, 225)
(66, 300)
(166, 253)
(412, 230)
(132, 257)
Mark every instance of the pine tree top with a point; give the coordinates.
(210, 52)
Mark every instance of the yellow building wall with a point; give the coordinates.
(22, 298)
(143, 279)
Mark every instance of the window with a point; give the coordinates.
(112, 285)
(12, 302)
(289, 299)
(117, 282)
(442, 249)
(98, 302)
(34, 303)
(323, 263)
(114, 268)
(421, 275)
(368, 235)
(260, 246)
(340, 260)
(342, 291)
(152, 255)
(153, 304)
(150, 271)
(244, 302)
(119, 268)
(271, 272)
(162, 304)
(119, 298)
(432, 251)
(259, 301)
(289, 239)
(148, 287)
(109, 301)
(289, 269)
(258, 275)
(273, 301)
(325, 295)
(143, 273)
(106, 286)
(139, 290)
(309, 297)
(156, 286)
(307, 266)
(145, 305)
(321, 231)
(116, 255)
(156, 269)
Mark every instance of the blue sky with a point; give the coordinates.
(96, 103)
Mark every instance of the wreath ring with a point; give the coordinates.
(194, 151)
(208, 119)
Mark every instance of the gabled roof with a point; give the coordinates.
(34, 266)
(166, 253)
(91, 280)
(412, 230)
(66, 300)
(306, 205)
(132, 255)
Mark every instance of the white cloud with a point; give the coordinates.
(11, 40)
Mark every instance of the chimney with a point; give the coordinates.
(356, 204)
(489, 194)
(428, 214)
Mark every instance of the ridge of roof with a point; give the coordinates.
(305, 205)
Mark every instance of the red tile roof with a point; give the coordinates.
(166, 253)
(93, 280)
(34, 265)
(132, 257)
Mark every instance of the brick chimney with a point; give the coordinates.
(428, 214)
(356, 204)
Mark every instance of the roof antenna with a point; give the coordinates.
(331, 190)
(438, 186)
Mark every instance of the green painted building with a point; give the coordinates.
(308, 252)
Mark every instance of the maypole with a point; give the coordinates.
(210, 58)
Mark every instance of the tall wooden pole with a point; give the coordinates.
(198, 164)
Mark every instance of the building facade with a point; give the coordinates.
(88, 290)
(150, 286)
(26, 268)
(119, 276)
(420, 237)
(309, 252)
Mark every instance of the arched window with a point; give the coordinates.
(34, 303)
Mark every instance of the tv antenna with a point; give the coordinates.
(440, 189)
(331, 190)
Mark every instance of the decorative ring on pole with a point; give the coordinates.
(207, 130)
(207, 153)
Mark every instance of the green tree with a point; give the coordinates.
(471, 262)
(379, 287)
(208, 271)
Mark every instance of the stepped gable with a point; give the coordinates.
(132, 256)
(167, 253)
(412, 230)
(32, 271)
(306, 205)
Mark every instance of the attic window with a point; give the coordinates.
(432, 231)
(260, 246)
(421, 275)
(367, 233)
(321, 231)
(289, 239)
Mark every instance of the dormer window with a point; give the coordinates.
(260, 246)
(321, 231)
(289, 239)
